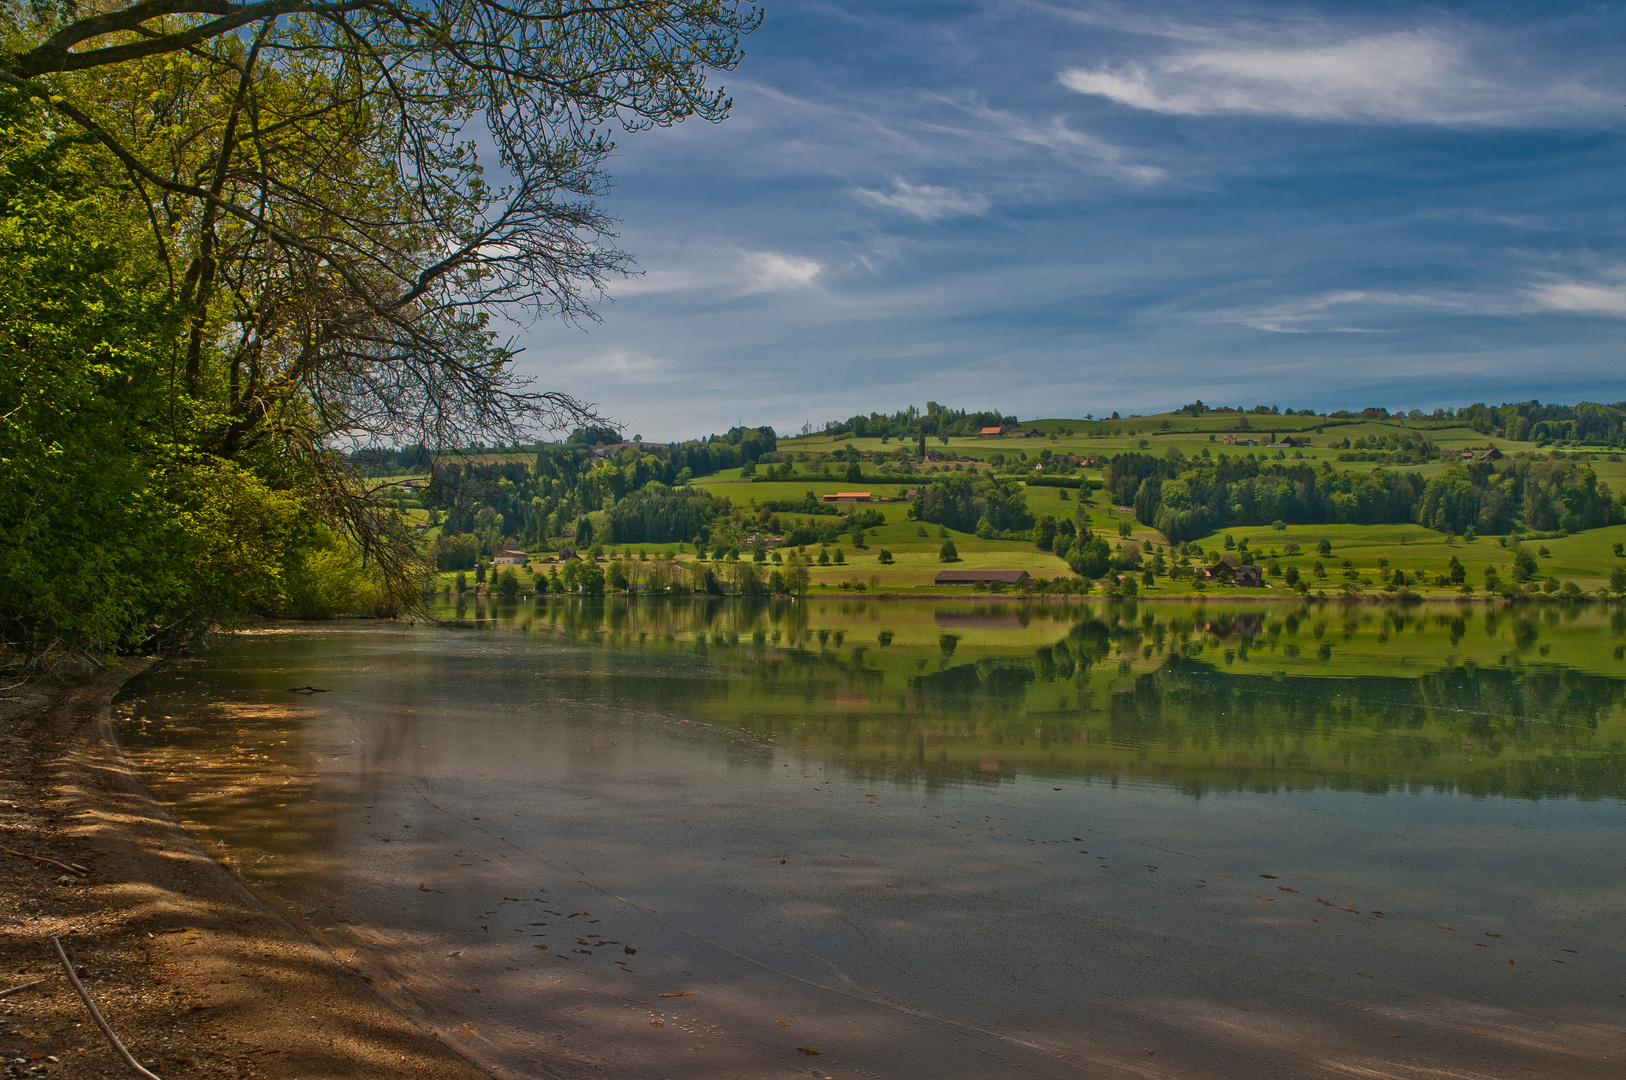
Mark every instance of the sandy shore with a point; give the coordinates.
(197, 976)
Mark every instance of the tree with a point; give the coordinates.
(1617, 579)
(797, 576)
(884, 557)
(947, 552)
(312, 177)
(855, 473)
(508, 584)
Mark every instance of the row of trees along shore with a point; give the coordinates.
(237, 238)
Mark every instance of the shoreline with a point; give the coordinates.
(196, 974)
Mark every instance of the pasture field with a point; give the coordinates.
(1360, 558)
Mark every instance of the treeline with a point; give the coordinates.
(934, 422)
(1531, 421)
(558, 493)
(1185, 498)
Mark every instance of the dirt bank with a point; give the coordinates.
(196, 975)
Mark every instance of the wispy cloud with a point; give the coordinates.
(1334, 311)
(1424, 76)
(727, 273)
(926, 202)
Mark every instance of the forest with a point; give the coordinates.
(1184, 498)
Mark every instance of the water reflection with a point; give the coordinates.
(1478, 699)
(920, 837)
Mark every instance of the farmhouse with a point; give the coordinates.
(510, 557)
(1249, 577)
(989, 432)
(982, 577)
(1492, 454)
(848, 497)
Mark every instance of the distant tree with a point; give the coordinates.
(885, 557)
(947, 552)
(855, 473)
(508, 584)
(1617, 579)
(1323, 547)
(462, 581)
(824, 557)
(1125, 528)
(841, 557)
(617, 577)
(797, 576)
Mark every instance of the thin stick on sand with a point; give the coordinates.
(72, 869)
(96, 1014)
(20, 989)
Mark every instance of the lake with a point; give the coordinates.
(729, 838)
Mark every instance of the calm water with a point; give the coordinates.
(939, 839)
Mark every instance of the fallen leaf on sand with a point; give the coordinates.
(678, 993)
(781, 1023)
(543, 947)
(1271, 876)
(1284, 888)
(1394, 1036)
(657, 1023)
(808, 1050)
(629, 950)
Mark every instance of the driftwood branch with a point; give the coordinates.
(96, 1014)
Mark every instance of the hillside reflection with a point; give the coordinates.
(1522, 702)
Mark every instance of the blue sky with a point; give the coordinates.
(1066, 208)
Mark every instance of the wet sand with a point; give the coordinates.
(197, 977)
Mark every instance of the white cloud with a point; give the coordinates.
(773, 271)
(1411, 76)
(926, 202)
(1581, 297)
